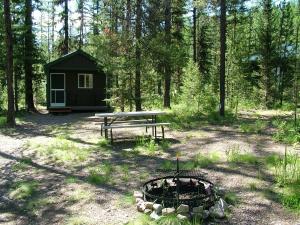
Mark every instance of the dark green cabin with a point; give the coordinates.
(75, 82)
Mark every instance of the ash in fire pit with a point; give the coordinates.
(185, 190)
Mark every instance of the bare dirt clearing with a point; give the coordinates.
(58, 170)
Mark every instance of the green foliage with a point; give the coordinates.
(290, 197)
(196, 96)
(61, 150)
(2, 121)
(287, 167)
(206, 160)
(126, 200)
(100, 174)
(168, 165)
(231, 198)
(236, 156)
(79, 194)
(148, 145)
(23, 190)
(258, 127)
(286, 131)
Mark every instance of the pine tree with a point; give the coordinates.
(28, 59)
(9, 64)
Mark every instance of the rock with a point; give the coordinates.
(154, 216)
(183, 209)
(157, 208)
(148, 211)
(149, 205)
(205, 214)
(223, 204)
(216, 211)
(182, 217)
(198, 209)
(208, 189)
(137, 200)
(141, 207)
(138, 194)
(168, 211)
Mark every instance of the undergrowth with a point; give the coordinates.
(236, 156)
(286, 131)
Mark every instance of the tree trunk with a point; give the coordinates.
(95, 18)
(66, 29)
(128, 43)
(138, 53)
(195, 34)
(168, 17)
(9, 64)
(28, 57)
(222, 56)
(81, 11)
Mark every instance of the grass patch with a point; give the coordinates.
(286, 131)
(286, 170)
(78, 220)
(141, 220)
(205, 161)
(126, 200)
(125, 172)
(62, 151)
(23, 190)
(103, 145)
(258, 127)
(101, 174)
(22, 165)
(80, 195)
(236, 156)
(146, 145)
(253, 186)
(286, 167)
(33, 206)
(231, 198)
(71, 180)
(290, 197)
(168, 165)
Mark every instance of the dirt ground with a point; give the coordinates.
(63, 194)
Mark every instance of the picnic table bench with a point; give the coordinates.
(112, 121)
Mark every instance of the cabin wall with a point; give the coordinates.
(81, 97)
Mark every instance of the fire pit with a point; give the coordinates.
(185, 192)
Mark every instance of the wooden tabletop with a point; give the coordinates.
(128, 114)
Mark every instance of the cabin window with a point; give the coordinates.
(85, 80)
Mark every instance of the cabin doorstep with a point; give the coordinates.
(75, 82)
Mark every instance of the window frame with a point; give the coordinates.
(86, 76)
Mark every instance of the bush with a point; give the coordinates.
(286, 132)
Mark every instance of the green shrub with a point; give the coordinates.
(287, 167)
(290, 197)
(286, 131)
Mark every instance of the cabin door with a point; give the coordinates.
(57, 90)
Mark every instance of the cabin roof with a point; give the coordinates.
(77, 60)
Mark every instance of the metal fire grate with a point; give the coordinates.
(177, 187)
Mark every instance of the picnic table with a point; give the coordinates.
(112, 121)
